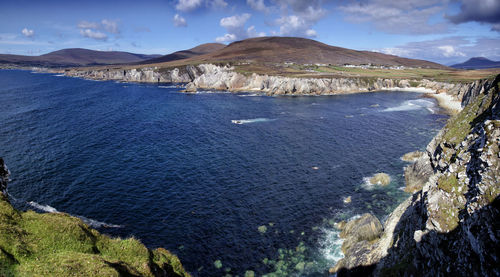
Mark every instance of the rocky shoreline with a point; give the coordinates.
(449, 226)
(215, 77)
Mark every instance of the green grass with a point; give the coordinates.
(447, 183)
(56, 244)
(459, 126)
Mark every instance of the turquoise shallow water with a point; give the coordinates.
(198, 174)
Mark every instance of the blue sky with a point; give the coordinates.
(444, 31)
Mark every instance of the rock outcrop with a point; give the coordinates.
(450, 226)
(140, 75)
(56, 244)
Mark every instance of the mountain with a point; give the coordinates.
(477, 63)
(75, 57)
(304, 51)
(184, 54)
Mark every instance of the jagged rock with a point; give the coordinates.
(367, 227)
(417, 174)
(412, 156)
(4, 176)
(450, 226)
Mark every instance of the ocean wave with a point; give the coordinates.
(60, 75)
(367, 184)
(330, 246)
(91, 222)
(45, 208)
(412, 105)
(212, 92)
(254, 120)
(171, 86)
(250, 95)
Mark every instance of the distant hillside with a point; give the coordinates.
(477, 63)
(305, 51)
(75, 57)
(184, 54)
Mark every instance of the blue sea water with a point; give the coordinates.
(198, 174)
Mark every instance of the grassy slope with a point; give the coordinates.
(56, 244)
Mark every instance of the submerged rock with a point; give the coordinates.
(382, 179)
(262, 229)
(347, 200)
(218, 264)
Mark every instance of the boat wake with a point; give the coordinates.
(91, 222)
(248, 121)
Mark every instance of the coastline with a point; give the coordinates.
(450, 104)
(225, 78)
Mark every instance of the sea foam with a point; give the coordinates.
(412, 105)
(91, 222)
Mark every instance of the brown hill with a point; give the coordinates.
(185, 54)
(304, 51)
(75, 57)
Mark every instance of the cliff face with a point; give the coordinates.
(209, 76)
(141, 75)
(56, 244)
(450, 226)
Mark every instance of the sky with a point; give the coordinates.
(444, 31)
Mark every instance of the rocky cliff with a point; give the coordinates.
(56, 244)
(210, 76)
(450, 226)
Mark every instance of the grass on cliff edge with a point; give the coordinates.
(56, 244)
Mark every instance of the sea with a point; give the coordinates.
(232, 183)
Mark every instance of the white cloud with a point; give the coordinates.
(257, 5)
(496, 27)
(98, 30)
(88, 25)
(299, 16)
(450, 51)
(28, 33)
(311, 33)
(187, 5)
(398, 17)
(235, 21)
(191, 5)
(251, 32)
(110, 26)
(89, 33)
(294, 25)
(235, 27)
(179, 21)
(216, 4)
(226, 38)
